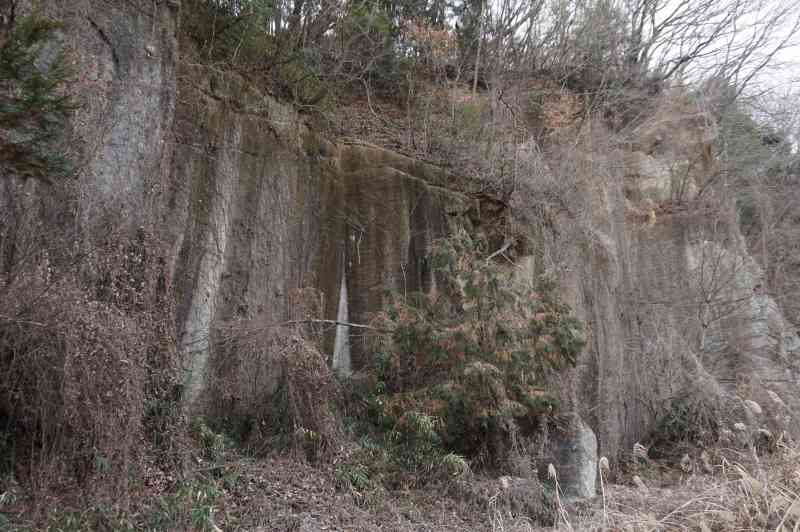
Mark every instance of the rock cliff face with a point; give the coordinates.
(673, 302)
(251, 205)
(263, 208)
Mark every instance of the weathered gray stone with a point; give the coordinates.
(341, 346)
(652, 177)
(576, 455)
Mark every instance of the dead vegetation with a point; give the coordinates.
(295, 409)
(714, 490)
(271, 385)
(89, 389)
(72, 385)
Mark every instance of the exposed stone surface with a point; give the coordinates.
(652, 177)
(247, 217)
(125, 54)
(251, 205)
(575, 451)
(264, 207)
(341, 361)
(672, 307)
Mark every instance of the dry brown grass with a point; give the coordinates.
(741, 492)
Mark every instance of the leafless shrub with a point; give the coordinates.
(276, 387)
(71, 385)
(692, 417)
(88, 365)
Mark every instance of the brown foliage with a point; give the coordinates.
(88, 365)
(71, 384)
(276, 389)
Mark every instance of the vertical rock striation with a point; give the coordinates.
(247, 205)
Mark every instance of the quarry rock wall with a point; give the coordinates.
(251, 205)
